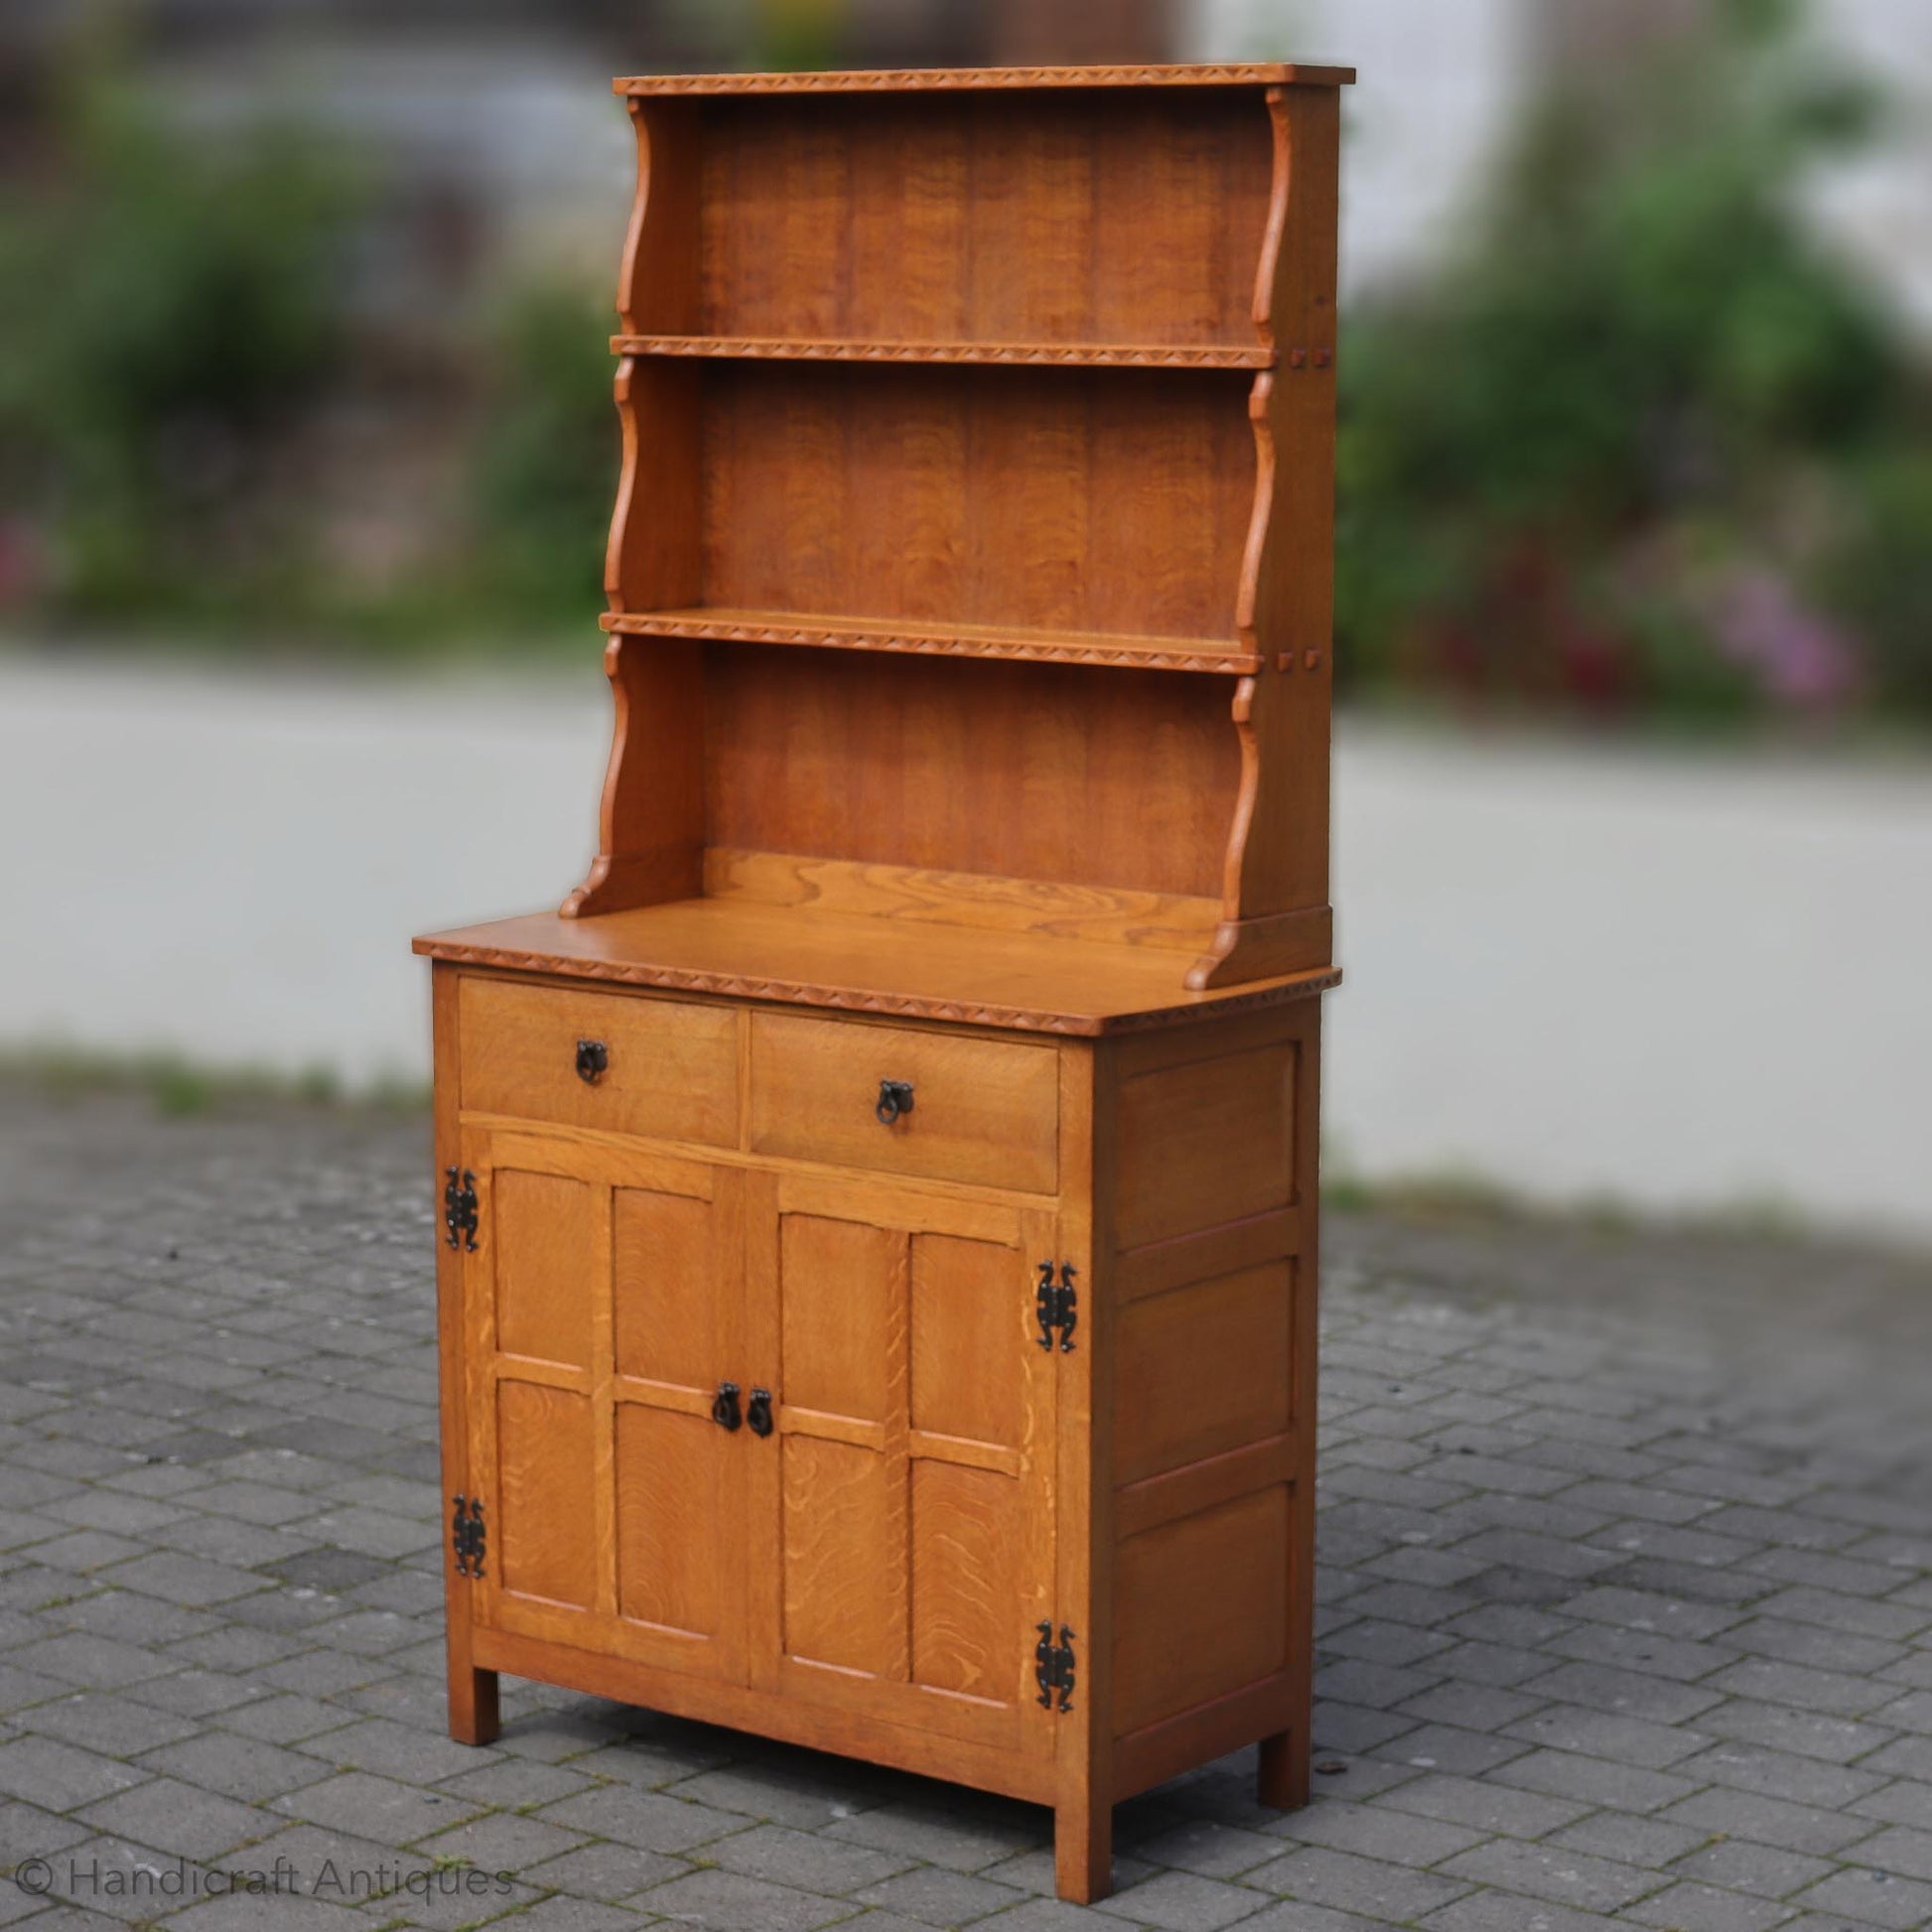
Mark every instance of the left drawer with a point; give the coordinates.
(663, 1068)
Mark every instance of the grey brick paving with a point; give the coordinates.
(1626, 1615)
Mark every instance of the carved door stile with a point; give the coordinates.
(910, 1489)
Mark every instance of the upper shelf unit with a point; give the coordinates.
(886, 218)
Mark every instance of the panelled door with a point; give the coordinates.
(908, 1487)
(605, 1304)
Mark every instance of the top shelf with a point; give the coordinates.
(1263, 73)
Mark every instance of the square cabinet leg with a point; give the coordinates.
(1282, 1773)
(473, 1705)
(1083, 1851)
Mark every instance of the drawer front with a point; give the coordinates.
(658, 1067)
(982, 1111)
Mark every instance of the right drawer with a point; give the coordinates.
(983, 1111)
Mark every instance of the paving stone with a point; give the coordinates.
(1595, 1780)
(1770, 1821)
(606, 1869)
(379, 1809)
(1554, 1872)
(1371, 1832)
(730, 1902)
(1871, 1898)
(1738, 1865)
(1648, 1841)
(61, 1777)
(1782, 1774)
(930, 1897)
(645, 1818)
(1704, 1908)
(1367, 1886)
(1214, 1849)
(178, 1819)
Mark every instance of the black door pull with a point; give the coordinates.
(759, 1415)
(593, 1059)
(724, 1412)
(895, 1099)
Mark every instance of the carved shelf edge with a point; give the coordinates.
(1266, 74)
(1054, 356)
(1122, 653)
(900, 1005)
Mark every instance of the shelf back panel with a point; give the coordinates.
(1063, 500)
(1130, 218)
(1046, 772)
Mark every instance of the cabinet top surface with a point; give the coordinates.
(1020, 980)
(1266, 73)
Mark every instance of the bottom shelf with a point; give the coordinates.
(1027, 981)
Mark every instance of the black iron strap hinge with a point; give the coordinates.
(1054, 1669)
(467, 1536)
(460, 1207)
(1057, 1306)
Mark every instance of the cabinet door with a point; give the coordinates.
(604, 1305)
(911, 1493)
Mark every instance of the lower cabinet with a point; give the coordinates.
(783, 1430)
(933, 1394)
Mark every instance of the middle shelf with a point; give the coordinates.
(1067, 356)
(1045, 647)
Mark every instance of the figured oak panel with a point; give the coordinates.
(1203, 1368)
(1084, 499)
(969, 1341)
(1206, 1142)
(844, 1596)
(974, 217)
(966, 1552)
(666, 1284)
(1200, 1607)
(985, 1111)
(542, 1227)
(673, 1518)
(543, 1542)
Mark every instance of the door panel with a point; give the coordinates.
(544, 1227)
(912, 1494)
(608, 1306)
(543, 1535)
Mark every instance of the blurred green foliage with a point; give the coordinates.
(545, 463)
(172, 302)
(1644, 446)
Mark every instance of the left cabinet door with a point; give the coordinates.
(603, 1308)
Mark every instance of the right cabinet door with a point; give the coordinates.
(911, 1493)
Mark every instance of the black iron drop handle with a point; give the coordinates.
(759, 1415)
(724, 1412)
(895, 1099)
(593, 1059)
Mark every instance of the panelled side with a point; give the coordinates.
(1208, 1158)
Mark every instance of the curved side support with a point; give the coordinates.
(1254, 553)
(1278, 194)
(658, 277)
(650, 844)
(613, 548)
(1274, 916)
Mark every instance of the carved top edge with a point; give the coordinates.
(1269, 74)
(1125, 655)
(961, 1013)
(1216, 356)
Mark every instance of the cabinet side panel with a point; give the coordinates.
(1211, 1292)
